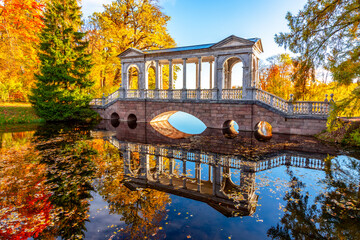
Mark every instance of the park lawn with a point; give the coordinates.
(13, 113)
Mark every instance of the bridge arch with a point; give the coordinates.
(258, 118)
(185, 109)
(133, 76)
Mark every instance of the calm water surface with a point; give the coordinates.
(120, 181)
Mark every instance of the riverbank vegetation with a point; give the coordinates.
(22, 113)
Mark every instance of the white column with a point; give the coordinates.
(217, 86)
(211, 66)
(157, 79)
(161, 84)
(199, 73)
(170, 75)
(124, 80)
(184, 91)
(184, 73)
(247, 77)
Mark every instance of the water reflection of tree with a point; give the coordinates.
(68, 157)
(24, 199)
(337, 217)
(141, 210)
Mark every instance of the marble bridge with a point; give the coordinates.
(148, 89)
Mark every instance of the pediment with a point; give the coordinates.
(233, 41)
(259, 46)
(131, 52)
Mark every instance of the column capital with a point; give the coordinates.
(184, 59)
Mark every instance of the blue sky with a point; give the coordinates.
(206, 21)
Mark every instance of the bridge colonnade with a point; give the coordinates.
(221, 57)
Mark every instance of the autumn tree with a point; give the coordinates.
(124, 23)
(20, 23)
(62, 88)
(325, 33)
(275, 77)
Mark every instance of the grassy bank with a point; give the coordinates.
(14, 113)
(348, 133)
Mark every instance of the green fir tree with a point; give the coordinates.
(62, 91)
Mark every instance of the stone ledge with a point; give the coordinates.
(238, 102)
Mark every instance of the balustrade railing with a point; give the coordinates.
(290, 107)
(176, 94)
(191, 94)
(96, 102)
(312, 108)
(150, 93)
(231, 94)
(272, 100)
(133, 93)
(163, 94)
(206, 94)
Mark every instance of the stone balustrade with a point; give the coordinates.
(288, 107)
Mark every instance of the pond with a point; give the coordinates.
(119, 180)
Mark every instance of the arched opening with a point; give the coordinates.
(263, 131)
(151, 78)
(177, 124)
(132, 121)
(230, 129)
(114, 120)
(133, 78)
(233, 73)
(228, 186)
(135, 162)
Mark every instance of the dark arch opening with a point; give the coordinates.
(114, 120)
(132, 121)
(230, 129)
(263, 131)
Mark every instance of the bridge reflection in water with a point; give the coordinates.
(225, 182)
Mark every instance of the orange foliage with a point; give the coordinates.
(24, 198)
(20, 23)
(22, 18)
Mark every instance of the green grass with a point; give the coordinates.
(18, 114)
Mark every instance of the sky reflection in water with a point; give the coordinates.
(187, 123)
(71, 185)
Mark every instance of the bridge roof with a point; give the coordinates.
(231, 41)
